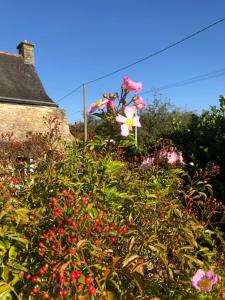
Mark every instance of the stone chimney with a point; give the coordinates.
(26, 49)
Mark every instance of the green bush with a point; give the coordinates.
(203, 143)
(157, 241)
(88, 221)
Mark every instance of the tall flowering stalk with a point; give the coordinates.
(120, 110)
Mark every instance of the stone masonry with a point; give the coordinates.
(26, 49)
(21, 119)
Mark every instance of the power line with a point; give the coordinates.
(213, 74)
(206, 76)
(77, 111)
(70, 93)
(158, 52)
(146, 57)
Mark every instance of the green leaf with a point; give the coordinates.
(131, 243)
(17, 266)
(6, 296)
(3, 288)
(111, 296)
(16, 278)
(12, 253)
(93, 213)
(5, 273)
(130, 259)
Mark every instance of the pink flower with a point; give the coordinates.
(111, 104)
(139, 103)
(204, 281)
(131, 86)
(172, 157)
(129, 121)
(147, 162)
(100, 104)
(163, 154)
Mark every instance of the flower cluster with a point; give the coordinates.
(168, 156)
(125, 112)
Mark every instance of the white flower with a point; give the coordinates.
(129, 121)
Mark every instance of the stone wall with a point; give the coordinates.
(21, 119)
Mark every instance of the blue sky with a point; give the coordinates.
(77, 41)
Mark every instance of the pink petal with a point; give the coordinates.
(139, 100)
(120, 118)
(172, 157)
(212, 277)
(147, 162)
(131, 85)
(124, 130)
(111, 104)
(197, 277)
(137, 122)
(126, 79)
(92, 108)
(162, 153)
(129, 111)
(138, 86)
(104, 103)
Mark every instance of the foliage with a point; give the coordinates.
(203, 142)
(87, 221)
(94, 190)
(77, 129)
(159, 120)
(13, 244)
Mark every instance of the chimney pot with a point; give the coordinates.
(26, 49)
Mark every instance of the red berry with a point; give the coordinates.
(79, 287)
(84, 201)
(64, 293)
(35, 279)
(62, 280)
(92, 290)
(41, 271)
(54, 276)
(21, 273)
(88, 280)
(35, 290)
(113, 240)
(124, 229)
(71, 197)
(75, 275)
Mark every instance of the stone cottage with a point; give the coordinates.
(23, 100)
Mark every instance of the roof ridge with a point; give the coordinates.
(11, 54)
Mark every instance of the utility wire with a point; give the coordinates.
(206, 76)
(146, 57)
(214, 74)
(70, 93)
(159, 51)
(77, 111)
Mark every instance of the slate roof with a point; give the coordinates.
(19, 82)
